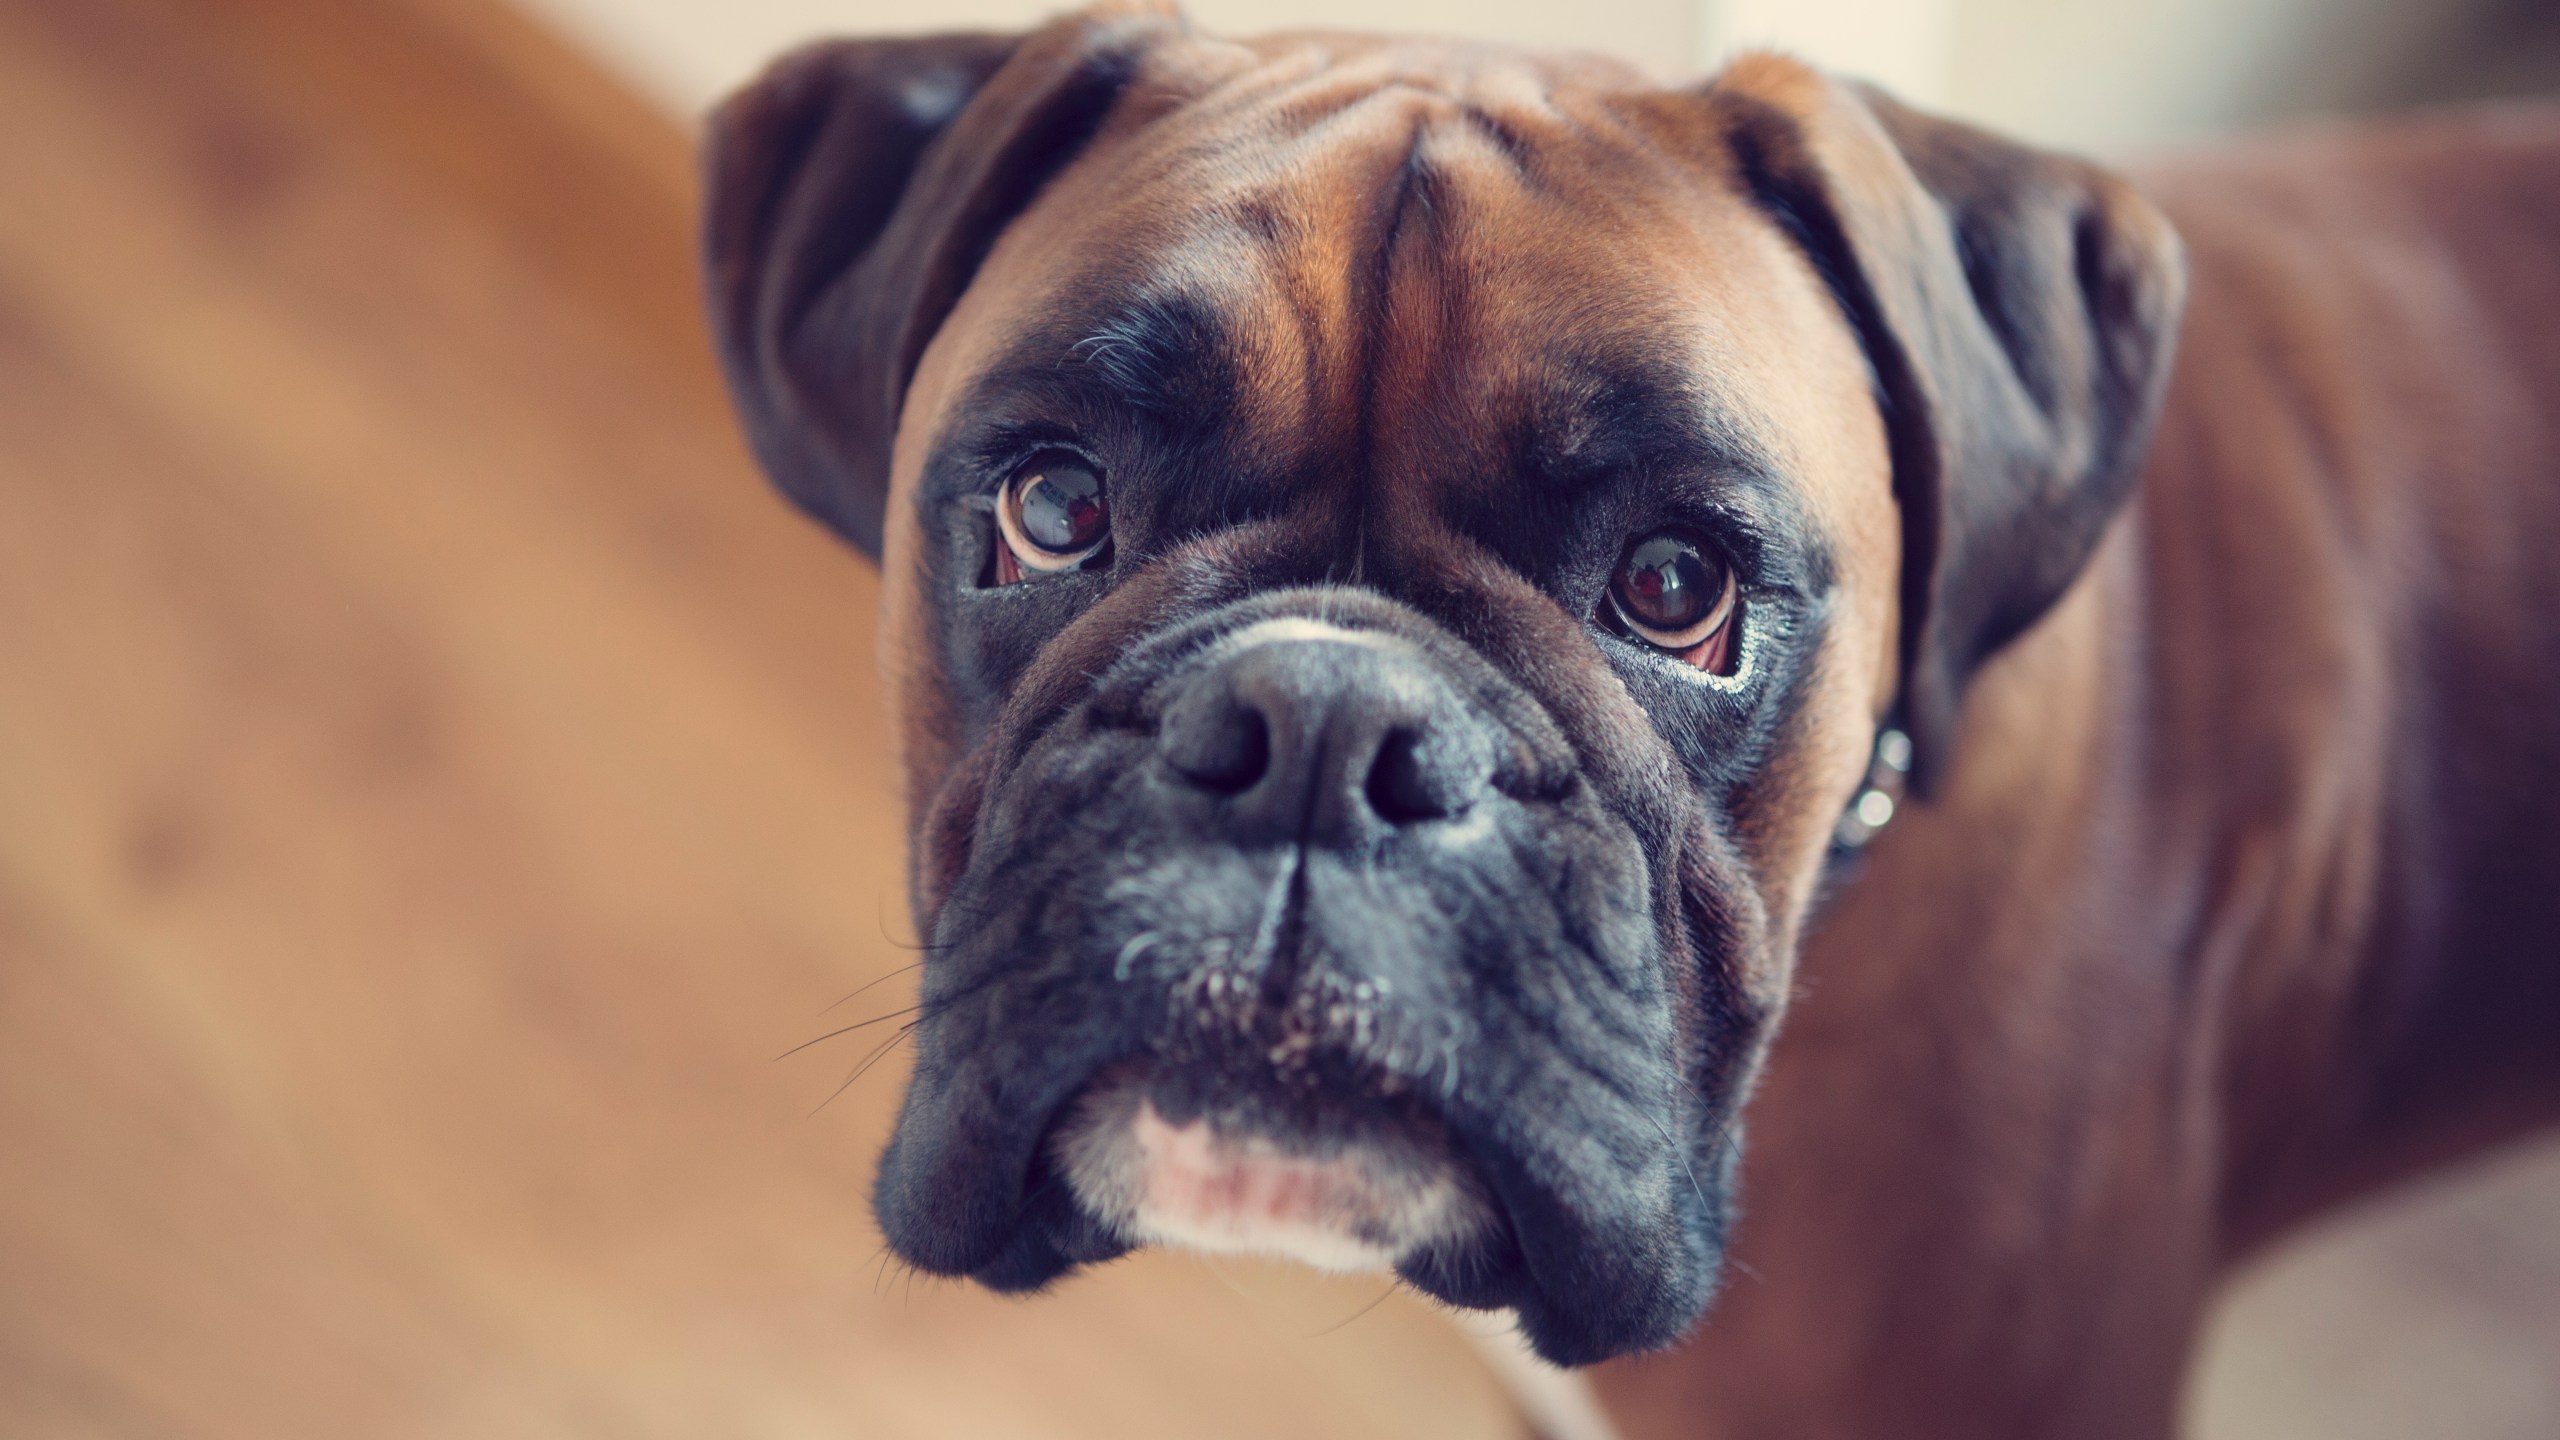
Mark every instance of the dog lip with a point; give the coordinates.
(1367, 1196)
(1586, 1283)
(1583, 1230)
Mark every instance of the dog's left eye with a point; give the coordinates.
(1052, 515)
(1678, 595)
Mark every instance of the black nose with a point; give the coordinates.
(1334, 738)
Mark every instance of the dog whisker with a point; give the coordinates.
(847, 1030)
(881, 980)
(1362, 1313)
(874, 1058)
(1682, 1156)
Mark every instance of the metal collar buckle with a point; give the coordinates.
(1873, 806)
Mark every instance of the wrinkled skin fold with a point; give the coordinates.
(1309, 980)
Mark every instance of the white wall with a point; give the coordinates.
(2100, 75)
(692, 51)
(1903, 45)
(2109, 77)
(2106, 75)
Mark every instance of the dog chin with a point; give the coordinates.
(1230, 1183)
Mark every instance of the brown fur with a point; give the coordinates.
(2242, 901)
(2239, 893)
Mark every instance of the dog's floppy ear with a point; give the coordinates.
(2019, 309)
(852, 192)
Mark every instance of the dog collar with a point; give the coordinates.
(1871, 809)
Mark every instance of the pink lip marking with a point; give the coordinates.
(1361, 1204)
(1198, 1180)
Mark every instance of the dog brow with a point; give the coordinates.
(1152, 352)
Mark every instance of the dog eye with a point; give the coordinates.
(1676, 594)
(1052, 515)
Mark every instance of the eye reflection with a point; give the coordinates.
(1676, 594)
(1052, 515)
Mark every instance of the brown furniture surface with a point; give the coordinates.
(437, 778)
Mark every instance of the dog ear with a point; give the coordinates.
(852, 192)
(2019, 309)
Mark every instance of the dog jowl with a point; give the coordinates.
(1397, 557)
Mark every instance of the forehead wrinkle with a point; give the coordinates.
(1300, 192)
(1294, 82)
(1252, 259)
(1294, 223)
(1647, 393)
(1319, 164)
(1640, 404)
(1324, 209)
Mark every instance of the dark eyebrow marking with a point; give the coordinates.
(1633, 436)
(1623, 411)
(1143, 376)
(1158, 358)
(1156, 354)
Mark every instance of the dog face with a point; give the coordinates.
(1397, 557)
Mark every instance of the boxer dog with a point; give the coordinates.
(1415, 571)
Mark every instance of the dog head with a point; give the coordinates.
(1397, 558)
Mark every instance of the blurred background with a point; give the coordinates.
(437, 781)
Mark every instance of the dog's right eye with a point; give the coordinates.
(1052, 516)
(1677, 595)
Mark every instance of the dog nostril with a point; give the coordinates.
(1405, 786)
(1227, 754)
